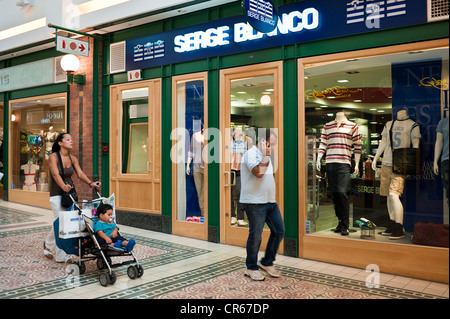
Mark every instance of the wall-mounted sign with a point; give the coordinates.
(261, 14)
(134, 75)
(298, 22)
(72, 46)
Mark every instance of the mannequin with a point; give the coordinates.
(50, 138)
(404, 132)
(195, 155)
(237, 151)
(336, 134)
(442, 147)
(29, 170)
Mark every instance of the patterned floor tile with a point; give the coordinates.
(26, 273)
(226, 280)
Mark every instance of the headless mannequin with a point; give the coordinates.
(196, 154)
(340, 118)
(338, 170)
(29, 170)
(50, 138)
(438, 151)
(394, 204)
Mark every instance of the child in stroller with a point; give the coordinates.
(107, 232)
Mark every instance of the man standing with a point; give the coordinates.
(258, 198)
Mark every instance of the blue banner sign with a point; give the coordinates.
(261, 14)
(297, 23)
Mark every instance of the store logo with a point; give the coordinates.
(292, 22)
(372, 11)
(260, 14)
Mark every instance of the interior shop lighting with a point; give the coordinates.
(70, 64)
(342, 81)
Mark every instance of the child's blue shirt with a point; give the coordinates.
(107, 228)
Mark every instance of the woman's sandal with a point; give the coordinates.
(47, 252)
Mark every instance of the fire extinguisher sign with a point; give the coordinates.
(72, 46)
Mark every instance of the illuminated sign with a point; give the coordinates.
(297, 22)
(261, 14)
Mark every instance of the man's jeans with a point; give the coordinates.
(258, 214)
(338, 176)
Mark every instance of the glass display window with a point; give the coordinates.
(350, 107)
(35, 124)
(189, 157)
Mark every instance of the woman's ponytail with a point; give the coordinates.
(56, 147)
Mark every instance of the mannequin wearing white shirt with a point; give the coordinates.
(195, 155)
(394, 204)
(29, 170)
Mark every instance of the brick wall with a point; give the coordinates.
(80, 120)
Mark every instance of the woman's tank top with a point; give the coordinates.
(68, 172)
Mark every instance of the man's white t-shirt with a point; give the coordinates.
(256, 190)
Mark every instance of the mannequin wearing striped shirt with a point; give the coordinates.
(338, 139)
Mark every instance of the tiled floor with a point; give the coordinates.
(179, 267)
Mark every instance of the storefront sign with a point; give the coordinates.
(27, 75)
(297, 23)
(261, 14)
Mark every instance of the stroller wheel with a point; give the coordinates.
(100, 264)
(140, 271)
(82, 267)
(132, 272)
(112, 278)
(104, 279)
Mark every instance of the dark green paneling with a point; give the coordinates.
(213, 168)
(290, 135)
(5, 115)
(166, 146)
(39, 90)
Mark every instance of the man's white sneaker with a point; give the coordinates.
(242, 223)
(270, 270)
(254, 274)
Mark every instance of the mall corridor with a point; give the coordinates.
(179, 268)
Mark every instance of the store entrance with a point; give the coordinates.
(251, 102)
(135, 146)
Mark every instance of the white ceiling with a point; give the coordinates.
(90, 16)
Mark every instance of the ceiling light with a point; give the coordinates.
(343, 81)
(357, 101)
(265, 100)
(241, 92)
(372, 109)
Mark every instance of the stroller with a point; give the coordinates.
(88, 248)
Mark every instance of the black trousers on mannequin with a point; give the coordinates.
(338, 176)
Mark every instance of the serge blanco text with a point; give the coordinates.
(292, 22)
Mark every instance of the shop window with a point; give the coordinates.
(35, 124)
(189, 158)
(135, 131)
(369, 93)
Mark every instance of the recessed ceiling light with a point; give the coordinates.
(242, 92)
(343, 81)
(372, 109)
(357, 101)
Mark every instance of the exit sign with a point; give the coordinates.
(72, 46)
